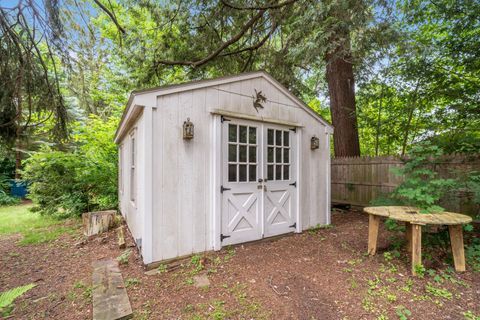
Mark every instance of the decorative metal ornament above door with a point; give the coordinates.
(259, 99)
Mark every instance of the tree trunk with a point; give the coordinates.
(18, 160)
(379, 122)
(341, 88)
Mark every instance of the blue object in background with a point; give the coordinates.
(18, 188)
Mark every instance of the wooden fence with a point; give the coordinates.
(358, 180)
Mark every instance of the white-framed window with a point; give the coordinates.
(133, 173)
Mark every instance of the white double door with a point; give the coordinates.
(258, 181)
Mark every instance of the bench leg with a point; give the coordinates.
(408, 236)
(416, 240)
(456, 240)
(373, 225)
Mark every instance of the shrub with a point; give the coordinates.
(83, 179)
(5, 198)
(421, 187)
(8, 200)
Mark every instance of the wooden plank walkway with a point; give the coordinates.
(110, 299)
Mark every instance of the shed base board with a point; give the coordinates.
(173, 262)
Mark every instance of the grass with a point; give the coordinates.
(32, 226)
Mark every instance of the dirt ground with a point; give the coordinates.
(319, 274)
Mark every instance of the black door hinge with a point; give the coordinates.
(293, 184)
(293, 129)
(223, 189)
(222, 119)
(293, 225)
(222, 237)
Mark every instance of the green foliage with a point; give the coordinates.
(84, 179)
(469, 315)
(8, 200)
(402, 313)
(7, 168)
(392, 225)
(438, 292)
(314, 230)
(427, 87)
(421, 186)
(419, 270)
(196, 262)
(391, 298)
(5, 198)
(472, 253)
(390, 255)
(8, 297)
(162, 268)
(132, 282)
(472, 184)
(123, 258)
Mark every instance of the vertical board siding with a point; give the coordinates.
(131, 211)
(157, 209)
(200, 170)
(170, 187)
(182, 195)
(359, 180)
(185, 173)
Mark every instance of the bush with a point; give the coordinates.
(5, 198)
(83, 179)
(421, 186)
(8, 200)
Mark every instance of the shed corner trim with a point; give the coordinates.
(127, 122)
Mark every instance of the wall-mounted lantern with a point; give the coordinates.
(314, 143)
(188, 129)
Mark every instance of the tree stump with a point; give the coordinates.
(98, 222)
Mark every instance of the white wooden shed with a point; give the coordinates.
(258, 165)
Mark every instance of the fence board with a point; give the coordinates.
(359, 180)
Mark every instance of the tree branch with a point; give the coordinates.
(255, 46)
(266, 7)
(111, 15)
(219, 50)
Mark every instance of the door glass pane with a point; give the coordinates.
(286, 172)
(278, 173)
(270, 172)
(270, 154)
(286, 155)
(286, 138)
(252, 135)
(243, 134)
(278, 155)
(242, 172)
(278, 137)
(232, 133)
(232, 172)
(242, 153)
(232, 152)
(252, 173)
(270, 136)
(252, 154)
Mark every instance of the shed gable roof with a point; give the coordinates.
(198, 84)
